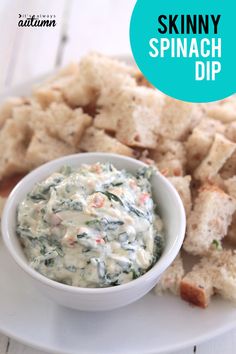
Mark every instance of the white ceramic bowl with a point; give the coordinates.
(171, 211)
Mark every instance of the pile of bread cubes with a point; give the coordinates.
(104, 105)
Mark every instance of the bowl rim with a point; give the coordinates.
(152, 273)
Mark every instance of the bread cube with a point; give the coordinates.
(171, 278)
(97, 140)
(44, 148)
(209, 220)
(182, 185)
(138, 111)
(219, 153)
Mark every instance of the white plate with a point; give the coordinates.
(152, 325)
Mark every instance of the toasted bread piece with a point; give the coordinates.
(230, 131)
(138, 110)
(127, 103)
(200, 141)
(75, 128)
(77, 93)
(231, 234)
(61, 122)
(182, 185)
(97, 140)
(141, 80)
(106, 119)
(176, 119)
(168, 149)
(197, 147)
(229, 168)
(197, 287)
(210, 126)
(14, 138)
(144, 157)
(7, 107)
(38, 119)
(218, 181)
(231, 186)
(70, 85)
(198, 117)
(98, 76)
(23, 113)
(215, 273)
(104, 68)
(44, 148)
(223, 112)
(66, 124)
(170, 280)
(108, 103)
(51, 90)
(224, 264)
(26, 112)
(171, 168)
(46, 95)
(170, 157)
(219, 153)
(209, 219)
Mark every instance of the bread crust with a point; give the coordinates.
(195, 295)
(97, 140)
(220, 151)
(209, 220)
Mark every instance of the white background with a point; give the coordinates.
(25, 53)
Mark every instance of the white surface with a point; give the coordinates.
(171, 211)
(92, 24)
(82, 26)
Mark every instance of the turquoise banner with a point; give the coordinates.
(186, 49)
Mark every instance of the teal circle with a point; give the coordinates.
(176, 76)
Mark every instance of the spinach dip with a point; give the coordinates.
(92, 226)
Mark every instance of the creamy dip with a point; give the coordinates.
(93, 226)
